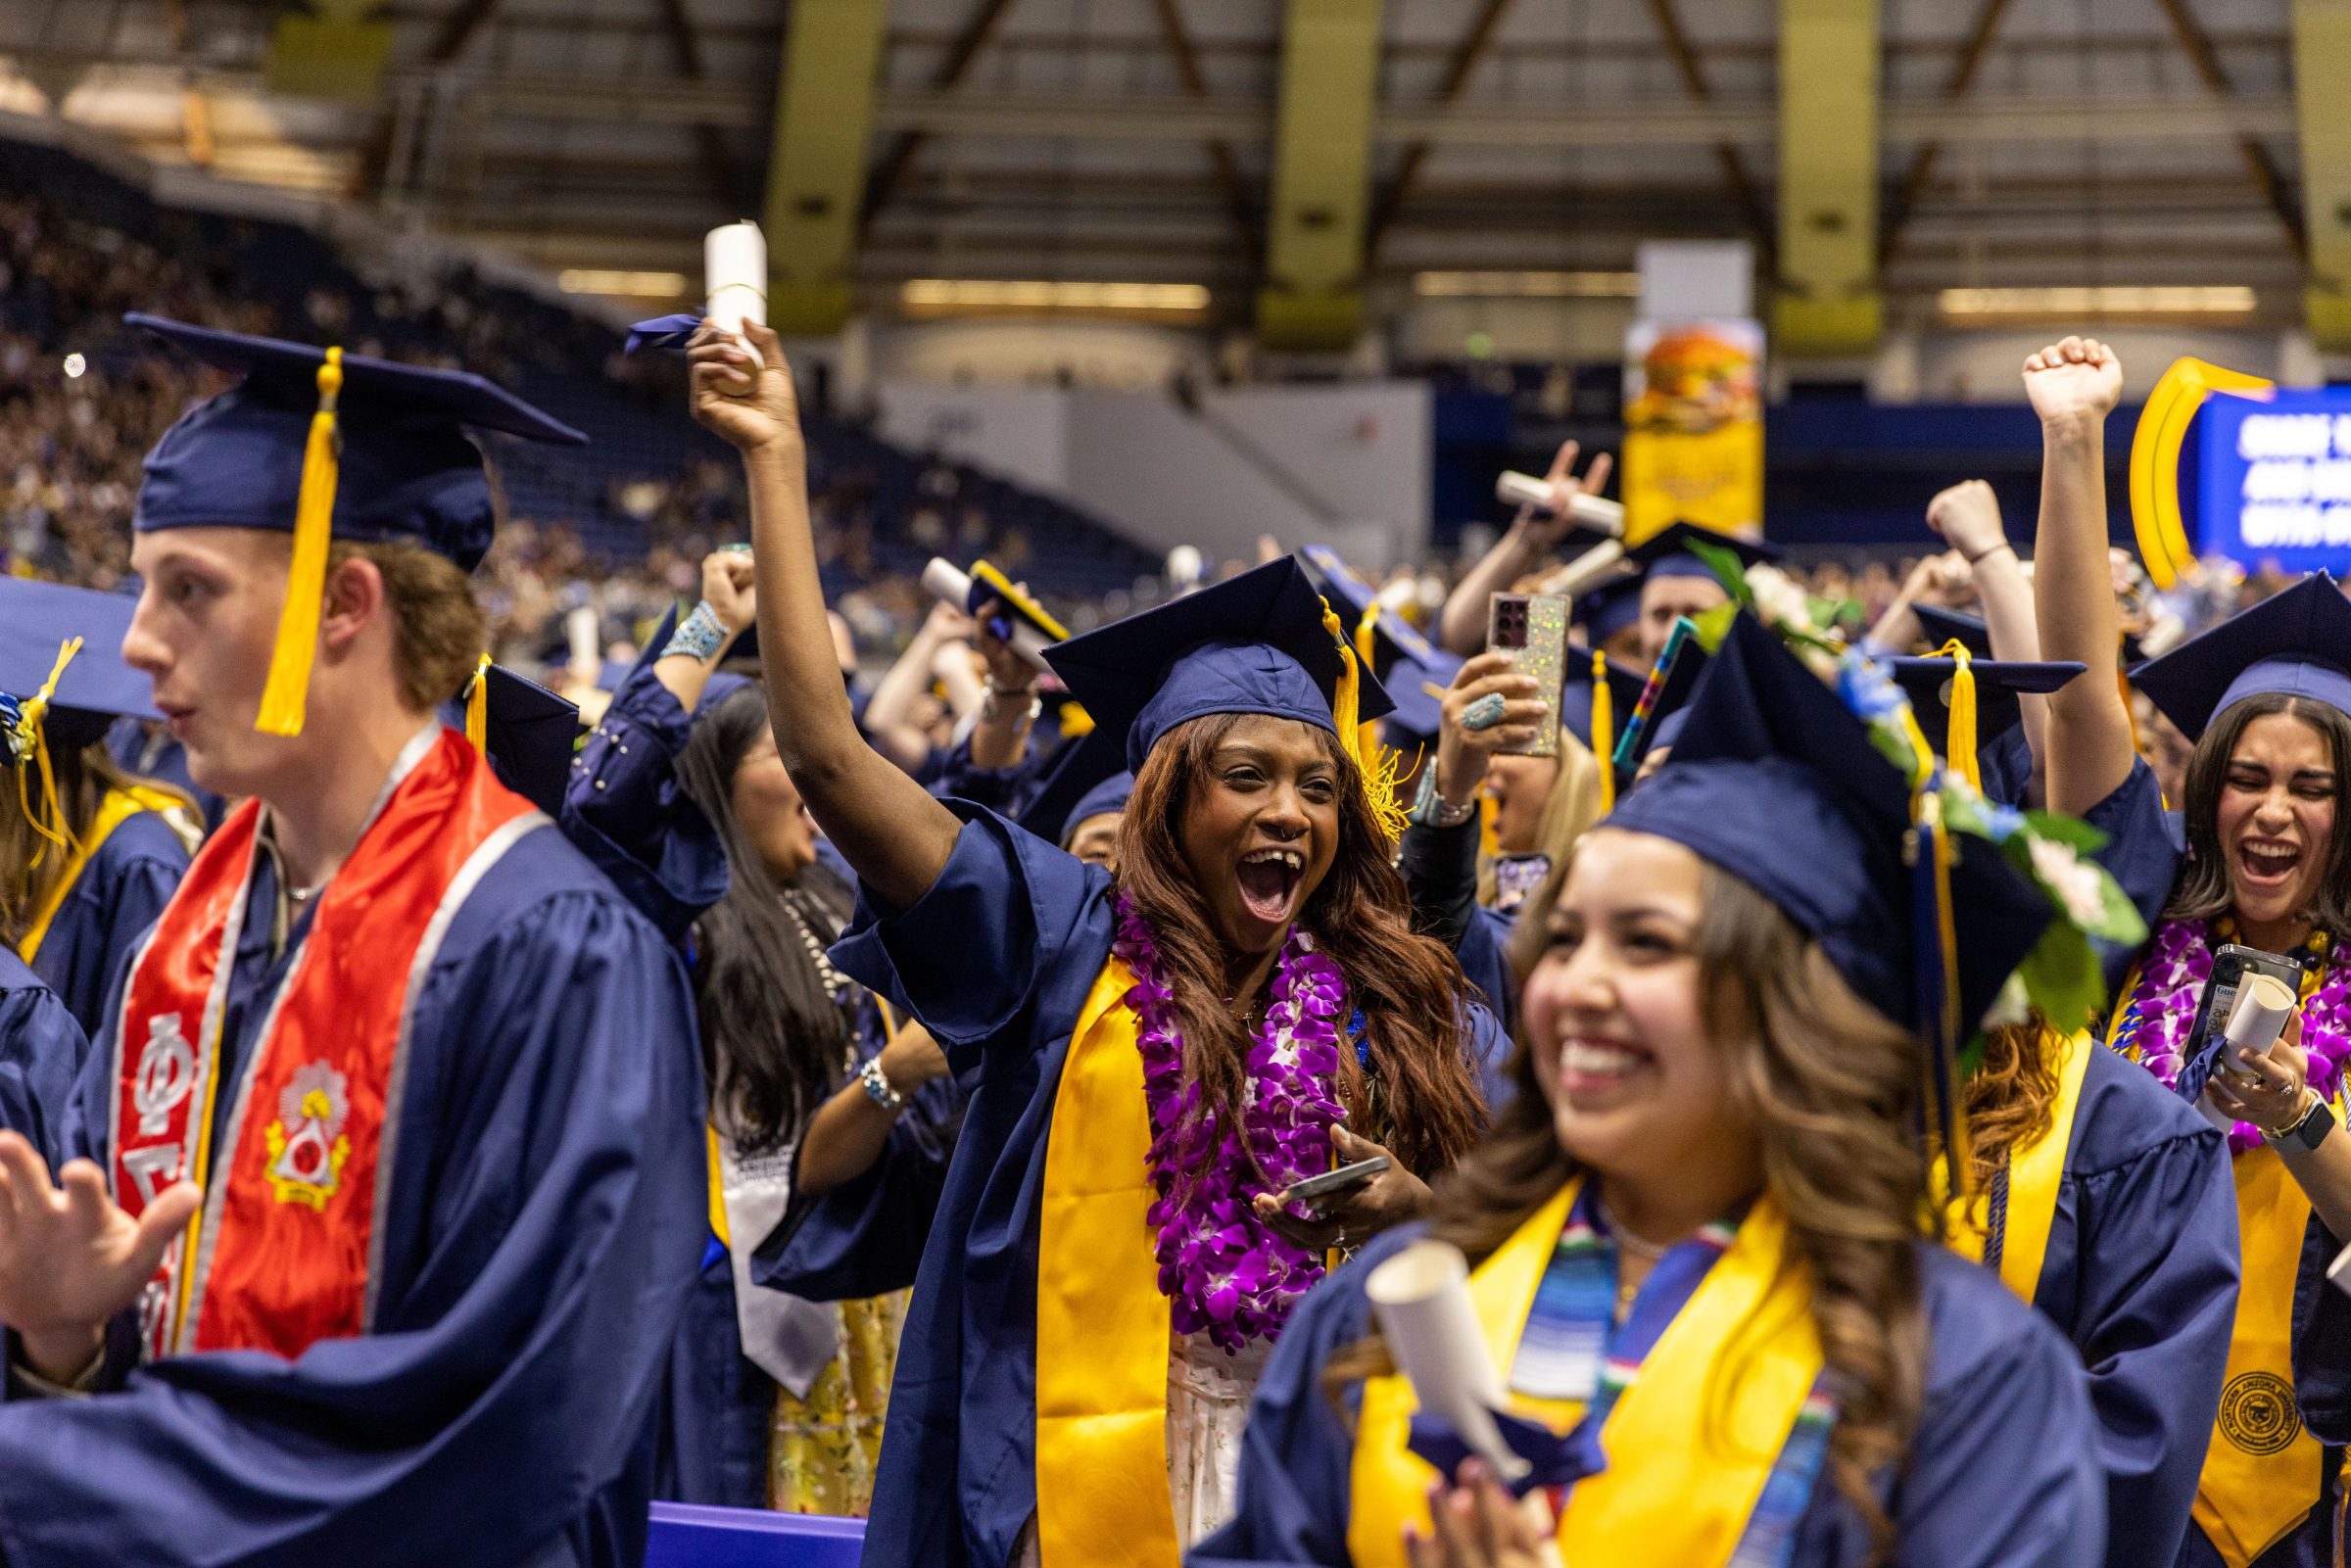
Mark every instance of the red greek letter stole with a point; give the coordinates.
(281, 1255)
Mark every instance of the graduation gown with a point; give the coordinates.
(625, 809)
(128, 880)
(542, 1221)
(1439, 866)
(145, 749)
(2002, 1471)
(41, 1051)
(996, 959)
(2140, 1275)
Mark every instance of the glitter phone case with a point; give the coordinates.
(1532, 628)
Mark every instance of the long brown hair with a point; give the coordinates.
(30, 865)
(2011, 1099)
(1830, 1085)
(2203, 892)
(1409, 987)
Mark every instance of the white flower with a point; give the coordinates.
(2011, 1006)
(1777, 599)
(2074, 881)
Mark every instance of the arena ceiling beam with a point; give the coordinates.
(1915, 178)
(1735, 178)
(2258, 162)
(816, 163)
(1827, 301)
(1459, 68)
(955, 65)
(1313, 297)
(1186, 55)
(458, 28)
(720, 168)
(2322, 56)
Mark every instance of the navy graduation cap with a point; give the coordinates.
(1262, 643)
(1406, 662)
(1608, 609)
(527, 732)
(1774, 780)
(1940, 628)
(323, 445)
(1582, 714)
(1964, 709)
(73, 696)
(2294, 643)
(1667, 554)
(1089, 779)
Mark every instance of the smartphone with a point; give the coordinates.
(2230, 964)
(1532, 628)
(1331, 1181)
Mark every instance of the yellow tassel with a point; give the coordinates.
(1375, 763)
(1075, 723)
(32, 737)
(477, 708)
(1603, 731)
(1947, 931)
(1365, 736)
(284, 699)
(1959, 739)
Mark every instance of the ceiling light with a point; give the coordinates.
(1527, 285)
(632, 285)
(937, 295)
(2073, 302)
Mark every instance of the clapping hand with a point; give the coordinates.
(70, 1257)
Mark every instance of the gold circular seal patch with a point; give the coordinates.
(2258, 1415)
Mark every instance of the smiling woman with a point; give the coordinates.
(1157, 1052)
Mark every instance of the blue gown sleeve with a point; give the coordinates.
(2148, 1298)
(119, 893)
(540, 1236)
(966, 958)
(625, 809)
(961, 777)
(41, 1052)
(2141, 854)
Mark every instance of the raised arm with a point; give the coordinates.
(889, 717)
(1968, 514)
(728, 592)
(2073, 385)
(1462, 628)
(893, 834)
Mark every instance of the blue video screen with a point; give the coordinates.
(2276, 480)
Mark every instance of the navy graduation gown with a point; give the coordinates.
(41, 1051)
(2140, 1276)
(996, 959)
(2143, 856)
(2002, 1471)
(543, 1224)
(145, 749)
(1439, 866)
(121, 890)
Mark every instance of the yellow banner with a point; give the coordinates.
(1694, 427)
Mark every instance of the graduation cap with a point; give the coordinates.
(1940, 628)
(1776, 782)
(989, 584)
(1962, 711)
(1662, 708)
(1262, 643)
(1090, 779)
(527, 732)
(73, 696)
(321, 443)
(1610, 609)
(1406, 663)
(2296, 643)
(1667, 554)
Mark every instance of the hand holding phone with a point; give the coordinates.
(1531, 630)
(1343, 1179)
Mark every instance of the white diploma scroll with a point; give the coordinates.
(1600, 563)
(735, 276)
(1514, 489)
(1420, 1298)
(949, 583)
(2255, 1021)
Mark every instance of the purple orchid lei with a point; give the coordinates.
(1226, 1272)
(2163, 1007)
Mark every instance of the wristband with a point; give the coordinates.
(1429, 810)
(1988, 553)
(700, 635)
(877, 1088)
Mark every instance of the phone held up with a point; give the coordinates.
(1532, 628)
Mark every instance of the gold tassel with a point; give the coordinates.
(283, 701)
(477, 708)
(1375, 763)
(33, 738)
(1959, 739)
(1603, 731)
(1367, 737)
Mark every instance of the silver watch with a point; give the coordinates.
(2308, 1130)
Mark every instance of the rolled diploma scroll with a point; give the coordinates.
(1421, 1299)
(734, 280)
(2255, 1023)
(1514, 489)
(1592, 568)
(949, 583)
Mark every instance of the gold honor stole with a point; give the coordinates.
(118, 808)
(1688, 1451)
(1103, 1328)
(281, 1254)
(2034, 1174)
